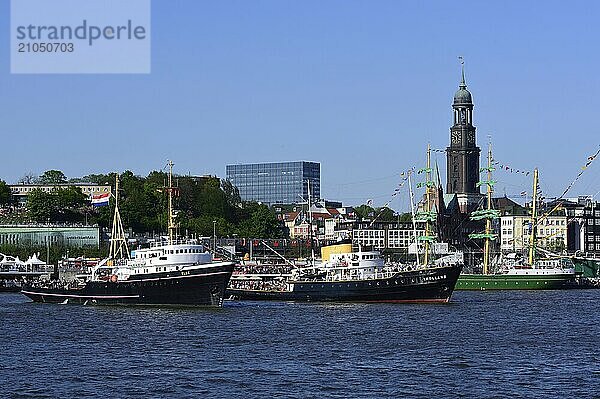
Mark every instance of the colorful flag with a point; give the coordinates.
(100, 199)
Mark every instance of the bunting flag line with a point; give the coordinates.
(444, 151)
(590, 159)
(404, 177)
(510, 169)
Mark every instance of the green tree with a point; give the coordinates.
(385, 214)
(204, 198)
(365, 212)
(54, 177)
(133, 203)
(262, 222)
(232, 193)
(200, 205)
(4, 193)
(406, 217)
(62, 205)
(29, 178)
(203, 226)
(40, 205)
(70, 197)
(68, 203)
(101, 216)
(100, 179)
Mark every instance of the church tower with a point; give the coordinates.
(462, 166)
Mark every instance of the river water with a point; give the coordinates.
(516, 344)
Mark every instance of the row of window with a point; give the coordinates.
(144, 255)
(84, 189)
(376, 243)
(545, 222)
(369, 233)
(403, 233)
(43, 238)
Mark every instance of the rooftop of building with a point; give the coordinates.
(273, 163)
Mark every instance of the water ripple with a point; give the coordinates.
(488, 345)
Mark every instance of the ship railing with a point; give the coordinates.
(180, 241)
(224, 253)
(354, 274)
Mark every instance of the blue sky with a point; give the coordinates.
(360, 86)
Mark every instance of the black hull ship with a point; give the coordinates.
(362, 276)
(351, 277)
(168, 272)
(427, 285)
(190, 285)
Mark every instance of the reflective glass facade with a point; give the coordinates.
(276, 183)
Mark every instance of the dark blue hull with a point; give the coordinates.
(418, 286)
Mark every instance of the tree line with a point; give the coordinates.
(201, 204)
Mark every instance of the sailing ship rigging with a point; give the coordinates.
(510, 274)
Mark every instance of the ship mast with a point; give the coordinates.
(412, 211)
(488, 221)
(428, 215)
(118, 243)
(488, 214)
(533, 218)
(310, 225)
(171, 226)
(427, 204)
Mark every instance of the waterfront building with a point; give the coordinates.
(388, 236)
(583, 215)
(21, 191)
(54, 235)
(515, 233)
(514, 230)
(276, 182)
(324, 221)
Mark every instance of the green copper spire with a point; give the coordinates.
(462, 96)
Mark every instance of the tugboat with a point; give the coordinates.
(170, 272)
(345, 275)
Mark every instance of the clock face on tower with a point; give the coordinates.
(471, 138)
(456, 138)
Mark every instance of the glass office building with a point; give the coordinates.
(277, 182)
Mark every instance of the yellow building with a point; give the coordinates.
(515, 233)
